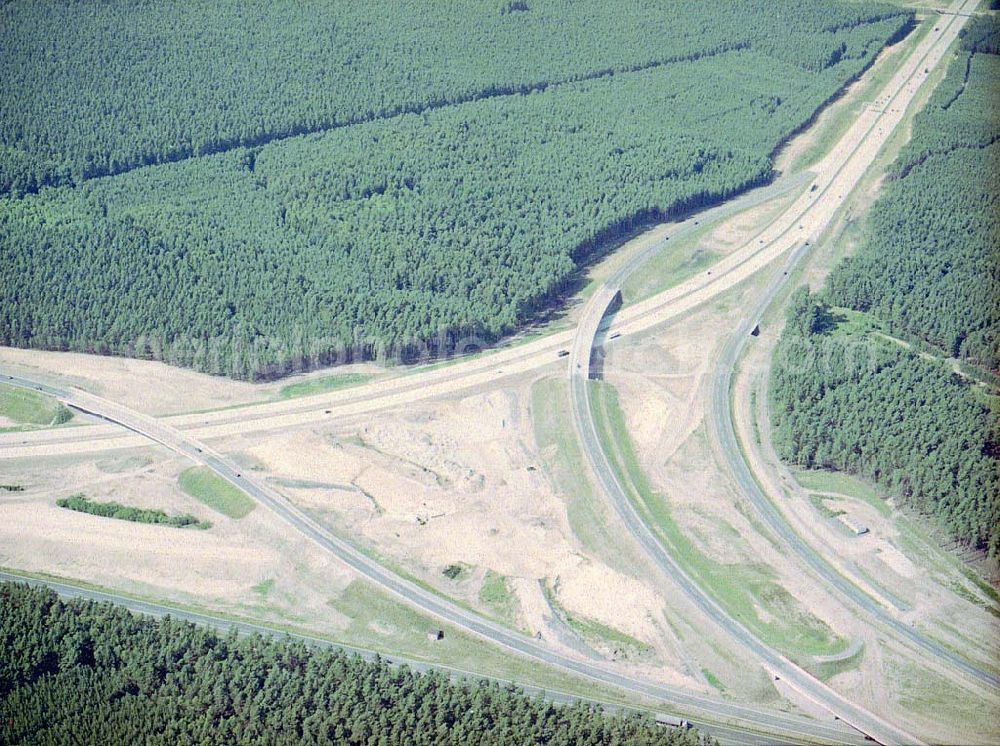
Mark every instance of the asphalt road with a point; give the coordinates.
(721, 422)
(725, 735)
(689, 704)
(842, 180)
(775, 663)
(485, 370)
(399, 391)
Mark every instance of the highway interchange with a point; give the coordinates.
(712, 709)
(787, 235)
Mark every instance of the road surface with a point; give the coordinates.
(721, 422)
(421, 385)
(703, 707)
(838, 175)
(615, 494)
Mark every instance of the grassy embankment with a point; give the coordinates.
(31, 408)
(744, 590)
(323, 384)
(209, 488)
(495, 593)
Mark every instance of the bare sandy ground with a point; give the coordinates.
(663, 385)
(217, 567)
(460, 482)
(149, 387)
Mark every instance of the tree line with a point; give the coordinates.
(422, 230)
(112, 509)
(927, 270)
(83, 672)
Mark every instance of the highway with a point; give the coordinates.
(616, 495)
(836, 176)
(690, 704)
(185, 434)
(721, 423)
(843, 177)
(398, 392)
(725, 735)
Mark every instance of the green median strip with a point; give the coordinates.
(748, 592)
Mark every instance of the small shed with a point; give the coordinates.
(435, 634)
(854, 526)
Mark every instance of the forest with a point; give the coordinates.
(99, 88)
(930, 265)
(314, 213)
(880, 398)
(81, 672)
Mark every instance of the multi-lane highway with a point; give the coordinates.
(400, 391)
(754, 719)
(863, 141)
(837, 176)
(185, 434)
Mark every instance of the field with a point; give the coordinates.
(402, 226)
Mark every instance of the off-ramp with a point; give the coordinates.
(184, 434)
(754, 719)
(837, 176)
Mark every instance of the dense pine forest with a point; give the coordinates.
(81, 672)
(104, 87)
(930, 266)
(332, 178)
(875, 394)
